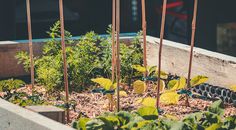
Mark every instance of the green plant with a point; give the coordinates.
(107, 88)
(177, 87)
(9, 87)
(130, 54)
(22, 99)
(151, 76)
(151, 72)
(83, 60)
(170, 94)
(87, 58)
(145, 118)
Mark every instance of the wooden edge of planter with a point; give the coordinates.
(220, 68)
(196, 49)
(14, 117)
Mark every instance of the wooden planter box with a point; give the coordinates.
(220, 68)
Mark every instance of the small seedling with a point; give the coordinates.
(107, 88)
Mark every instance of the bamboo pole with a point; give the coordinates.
(192, 46)
(144, 27)
(113, 38)
(113, 48)
(31, 53)
(64, 58)
(160, 51)
(118, 53)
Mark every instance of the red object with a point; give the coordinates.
(178, 3)
(174, 4)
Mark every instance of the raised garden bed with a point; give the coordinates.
(90, 57)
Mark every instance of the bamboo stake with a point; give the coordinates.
(113, 47)
(113, 37)
(144, 27)
(30, 44)
(192, 46)
(64, 58)
(160, 51)
(118, 53)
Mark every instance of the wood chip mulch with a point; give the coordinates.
(91, 104)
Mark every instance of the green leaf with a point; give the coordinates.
(148, 101)
(148, 113)
(81, 124)
(163, 74)
(162, 85)
(151, 125)
(214, 126)
(177, 84)
(198, 80)
(103, 82)
(139, 87)
(114, 120)
(123, 94)
(171, 117)
(172, 83)
(23, 103)
(210, 118)
(229, 123)
(139, 68)
(151, 69)
(193, 120)
(140, 124)
(124, 117)
(169, 98)
(165, 124)
(100, 123)
(133, 123)
(233, 88)
(217, 107)
(180, 126)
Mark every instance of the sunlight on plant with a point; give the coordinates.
(169, 98)
(139, 87)
(177, 84)
(198, 80)
(105, 83)
(148, 101)
(233, 87)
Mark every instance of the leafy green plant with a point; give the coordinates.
(87, 58)
(145, 118)
(130, 54)
(10, 86)
(177, 87)
(22, 99)
(170, 94)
